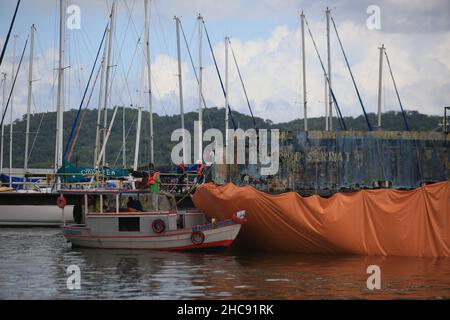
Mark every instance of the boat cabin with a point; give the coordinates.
(122, 212)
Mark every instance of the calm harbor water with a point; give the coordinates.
(33, 265)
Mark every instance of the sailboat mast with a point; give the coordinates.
(330, 98)
(3, 127)
(124, 139)
(138, 134)
(108, 75)
(11, 125)
(380, 85)
(30, 93)
(200, 90)
(326, 102)
(60, 95)
(99, 111)
(305, 109)
(145, 67)
(149, 77)
(227, 94)
(180, 87)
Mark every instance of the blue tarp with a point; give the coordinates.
(17, 181)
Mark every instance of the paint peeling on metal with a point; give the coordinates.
(323, 161)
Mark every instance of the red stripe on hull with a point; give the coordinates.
(216, 244)
(223, 243)
(132, 236)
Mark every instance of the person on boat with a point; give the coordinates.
(154, 181)
(134, 205)
(181, 171)
(200, 172)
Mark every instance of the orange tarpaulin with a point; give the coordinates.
(368, 222)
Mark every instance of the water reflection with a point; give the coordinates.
(33, 265)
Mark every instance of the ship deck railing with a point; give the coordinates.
(98, 181)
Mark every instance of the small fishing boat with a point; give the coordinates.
(110, 222)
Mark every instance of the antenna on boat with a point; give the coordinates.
(200, 90)
(305, 110)
(30, 94)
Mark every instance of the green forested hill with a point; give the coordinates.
(43, 150)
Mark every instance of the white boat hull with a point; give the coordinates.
(34, 215)
(222, 236)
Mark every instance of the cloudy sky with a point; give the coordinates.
(265, 37)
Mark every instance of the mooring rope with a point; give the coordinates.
(243, 85)
(396, 92)
(351, 74)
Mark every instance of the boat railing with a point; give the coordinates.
(170, 182)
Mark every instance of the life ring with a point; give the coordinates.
(158, 226)
(238, 220)
(198, 238)
(61, 202)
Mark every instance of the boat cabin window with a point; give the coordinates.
(129, 224)
(180, 221)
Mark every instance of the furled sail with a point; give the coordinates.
(70, 173)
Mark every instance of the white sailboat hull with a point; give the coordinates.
(34, 215)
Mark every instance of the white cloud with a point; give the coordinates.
(271, 71)
(270, 64)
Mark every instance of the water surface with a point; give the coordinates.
(33, 265)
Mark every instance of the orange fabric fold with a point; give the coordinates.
(368, 222)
